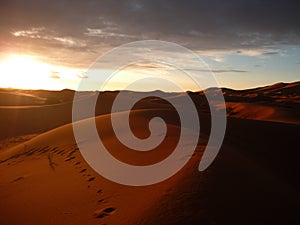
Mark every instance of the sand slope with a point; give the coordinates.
(259, 111)
(46, 181)
(29, 112)
(254, 179)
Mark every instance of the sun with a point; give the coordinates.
(25, 72)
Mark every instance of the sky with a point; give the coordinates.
(52, 44)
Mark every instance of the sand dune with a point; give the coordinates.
(15, 97)
(285, 95)
(59, 187)
(33, 119)
(28, 119)
(260, 111)
(254, 180)
(47, 181)
(279, 103)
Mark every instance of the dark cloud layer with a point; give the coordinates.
(64, 29)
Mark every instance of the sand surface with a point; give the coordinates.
(254, 180)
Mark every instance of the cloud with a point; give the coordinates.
(251, 52)
(229, 71)
(271, 53)
(262, 53)
(54, 74)
(32, 33)
(220, 70)
(162, 67)
(259, 52)
(150, 65)
(105, 34)
(41, 33)
(82, 75)
(86, 29)
(221, 55)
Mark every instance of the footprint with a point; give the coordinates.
(44, 149)
(100, 200)
(55, 149)
(70, 158)
(72, 152)
(29, 153)
(83, 170)
(99, 191)
(61, 152)
(77, 163)
(105, 212)
(91, 179)
(17, 179)
(109, 209)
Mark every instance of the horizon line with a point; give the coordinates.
(68, 89)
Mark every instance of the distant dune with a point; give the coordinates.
(254, 180)
(279, 103)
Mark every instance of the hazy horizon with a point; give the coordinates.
(41, 89)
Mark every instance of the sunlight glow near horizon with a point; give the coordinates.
(20, 71)
(26, 72)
